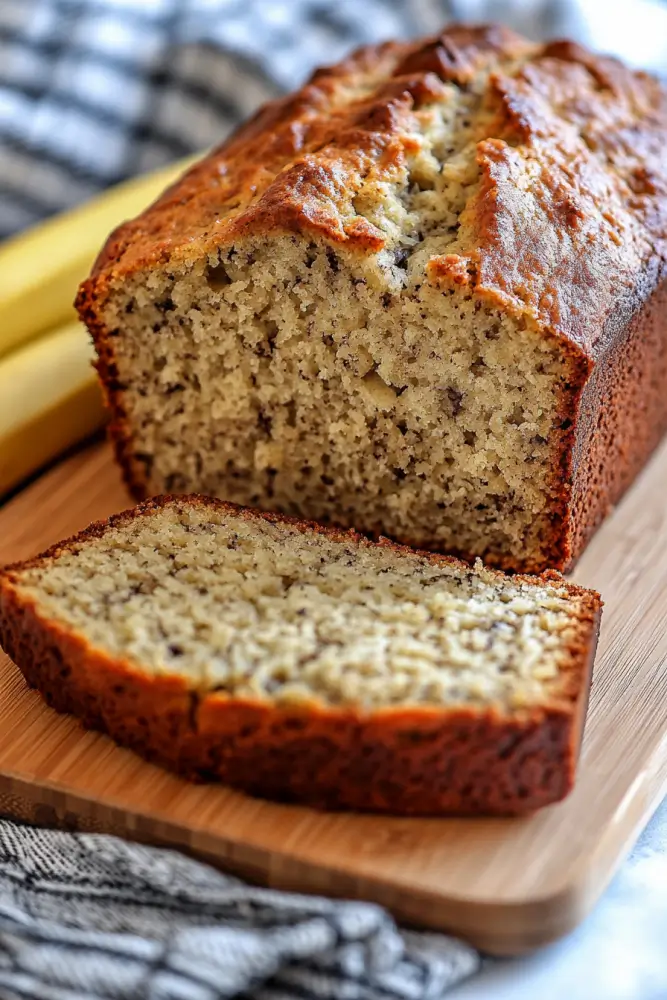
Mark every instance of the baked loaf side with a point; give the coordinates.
(417, 298)
(309, 664)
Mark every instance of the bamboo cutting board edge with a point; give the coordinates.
(488, 880)
(499, 928)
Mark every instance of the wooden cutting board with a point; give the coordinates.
(506, 885)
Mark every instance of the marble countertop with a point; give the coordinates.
(618, 953)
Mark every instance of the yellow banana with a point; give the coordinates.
(49, 400)
(41, 268)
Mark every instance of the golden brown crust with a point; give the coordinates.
(557, 231)
(297, 164)
(411, 760)
(574, 193)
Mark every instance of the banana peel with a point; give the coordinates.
(40, 270)
(49, 395)
(49, 400)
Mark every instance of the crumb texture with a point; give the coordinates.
(270, 611)
(299, 387)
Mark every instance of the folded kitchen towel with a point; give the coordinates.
(89, 917)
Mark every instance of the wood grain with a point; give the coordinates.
(506, 885)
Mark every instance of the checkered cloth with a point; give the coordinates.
(87, 917)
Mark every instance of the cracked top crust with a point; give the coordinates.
(565, 226)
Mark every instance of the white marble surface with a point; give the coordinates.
(618, 953)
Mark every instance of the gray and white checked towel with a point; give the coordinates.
(92, 92)
(86, 917)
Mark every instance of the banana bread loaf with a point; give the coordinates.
(309, 664)
(421, 297)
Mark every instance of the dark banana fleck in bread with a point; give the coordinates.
(424, 296)
(309, 664)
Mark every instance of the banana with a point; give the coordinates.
(50, 400)
(40, 269)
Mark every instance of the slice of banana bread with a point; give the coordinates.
(309, 664)
(422, 297)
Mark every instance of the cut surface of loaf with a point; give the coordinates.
(309, 664)
(422, 297)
